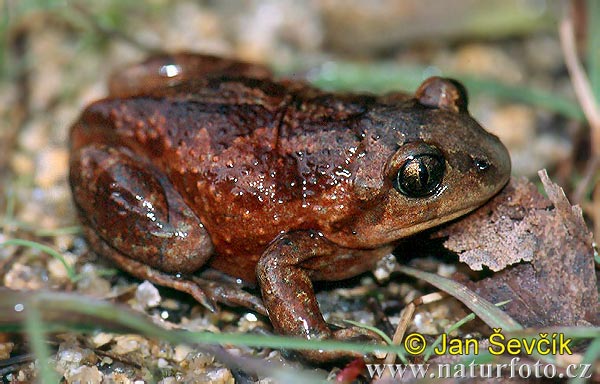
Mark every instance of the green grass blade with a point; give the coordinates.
(593, 47)
(73, 310)
(35, 330)
(524, 94)
(46, 249)
(571, 332)
(454, 327)
(486, 311)
(378, 331)
(75, 313)
(71, 230)
(4, 25)
(392, 77)
(7, 221)
(590, 357)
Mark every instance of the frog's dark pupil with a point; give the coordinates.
(420, 176)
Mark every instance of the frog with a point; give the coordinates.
(196, 163)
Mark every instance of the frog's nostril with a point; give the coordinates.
(481, 164)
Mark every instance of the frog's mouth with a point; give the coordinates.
(416, 228)
(450, 217)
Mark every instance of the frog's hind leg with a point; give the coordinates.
(205, 291)
(145, 272)
(136, 210)
(133, 215)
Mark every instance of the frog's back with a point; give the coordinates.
(251, 157)
(220, 127)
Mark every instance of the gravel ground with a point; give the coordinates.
(57, 59)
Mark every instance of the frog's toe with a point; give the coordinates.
(324, 357)
(230, 294)
(353, 334)
(356, 334)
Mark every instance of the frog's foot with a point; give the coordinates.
(145, 272)
(205, 291)
(285, 273)
(351, 334)
(231, 294)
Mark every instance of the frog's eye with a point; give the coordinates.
(420, 175)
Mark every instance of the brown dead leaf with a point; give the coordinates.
(555, 283)
(498, 234)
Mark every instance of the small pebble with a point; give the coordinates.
(221, 375)
(117, 377)
(147, 295)
(25, 277)
(162, 363)
(5, 350)
(101, 339)
(52, 165)
(128, 343)
(83, 374)
(181, 352)
(57, 269)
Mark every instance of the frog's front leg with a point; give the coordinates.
(132, 214)
(285, 273)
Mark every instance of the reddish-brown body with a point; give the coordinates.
(251, 164)
(255, 176)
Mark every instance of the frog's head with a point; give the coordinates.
(429, 162)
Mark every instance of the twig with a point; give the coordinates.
(589, 176)
(406, 317)
(581, 83)
(585, 96)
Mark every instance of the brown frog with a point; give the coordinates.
(199, 161)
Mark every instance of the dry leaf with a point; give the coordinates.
(555, 283)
